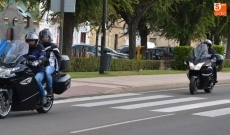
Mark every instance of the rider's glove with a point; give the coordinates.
(208, 56)
(35, 63)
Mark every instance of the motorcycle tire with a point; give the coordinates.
(208, 90)
(4, 108)
(47, 107)
(193, 86)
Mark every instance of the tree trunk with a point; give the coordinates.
(132, 38)
(185, 41)
(68, 29)
(144, 39)
(228, 48)
(216, 40)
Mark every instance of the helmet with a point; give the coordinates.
(45, 33)
(31, 36)
(208, 42)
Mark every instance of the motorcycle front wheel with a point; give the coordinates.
(193, 86)
(5, 105)
(47, 107)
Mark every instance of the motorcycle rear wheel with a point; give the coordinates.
(193, 86)
(47, 107)
(5, 106)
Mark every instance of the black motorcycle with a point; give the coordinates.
(18, 88)
(200, 71)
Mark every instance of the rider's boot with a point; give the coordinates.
(50, 92)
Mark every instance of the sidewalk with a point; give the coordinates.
(124, 84)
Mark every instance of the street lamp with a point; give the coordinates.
(101, 70)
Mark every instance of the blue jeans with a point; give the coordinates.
(39, 77)
(49, 79)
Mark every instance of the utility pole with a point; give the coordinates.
(101, 70)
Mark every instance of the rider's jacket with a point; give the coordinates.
(39, 52)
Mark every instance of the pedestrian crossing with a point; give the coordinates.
(159, 101)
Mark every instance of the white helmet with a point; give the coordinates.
(208, 42)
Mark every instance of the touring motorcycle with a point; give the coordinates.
(18, 88)
(200, 67)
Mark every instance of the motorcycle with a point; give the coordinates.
(18, 88)
(200, 68)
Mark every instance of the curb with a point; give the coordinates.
(155, 87)
(139, 89)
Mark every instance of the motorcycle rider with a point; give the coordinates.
(37, 67)
(52, 55)
(213, 59)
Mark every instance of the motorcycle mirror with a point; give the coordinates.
(31, 57)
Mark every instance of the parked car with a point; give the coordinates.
(167, 48)
(161, 54)
(113, 52)
(90, 48)
(123, 49)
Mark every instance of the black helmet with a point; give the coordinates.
(45, 33)
(31, 36)
(208, 42)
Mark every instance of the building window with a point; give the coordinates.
(83, 37)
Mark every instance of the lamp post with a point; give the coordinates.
(101, 70)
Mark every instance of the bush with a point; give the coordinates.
(219, 49)
(181, 53)
(226, 63)
(93, 64)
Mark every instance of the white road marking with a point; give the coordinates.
(214, 113)
(94, 98)
(121, 101)
(192, 106)
(164, 102)
(120, 123)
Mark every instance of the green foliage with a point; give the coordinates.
(93, 64)
(181, 53)
(219, 49)
(226, 63)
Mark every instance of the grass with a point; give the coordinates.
(128, 73)
(226, 70)
(122, 73)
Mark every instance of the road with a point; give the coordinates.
(168, 112)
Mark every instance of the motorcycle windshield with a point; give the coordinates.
(199, 53)
(14, 51)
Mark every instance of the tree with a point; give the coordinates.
(185, 20)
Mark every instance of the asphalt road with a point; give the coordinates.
(169, 112)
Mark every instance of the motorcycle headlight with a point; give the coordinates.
(6, 72)
(195, 67)
(191, 65)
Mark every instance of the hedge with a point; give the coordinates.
(93, 64)
(181, 53)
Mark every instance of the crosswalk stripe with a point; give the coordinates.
(164, 102)
(95, 97)
(121, 101)
(192, 106)
(214, 113)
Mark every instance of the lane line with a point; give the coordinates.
(120, 123)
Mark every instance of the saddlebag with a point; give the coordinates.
(61, 83)
(64, 62)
